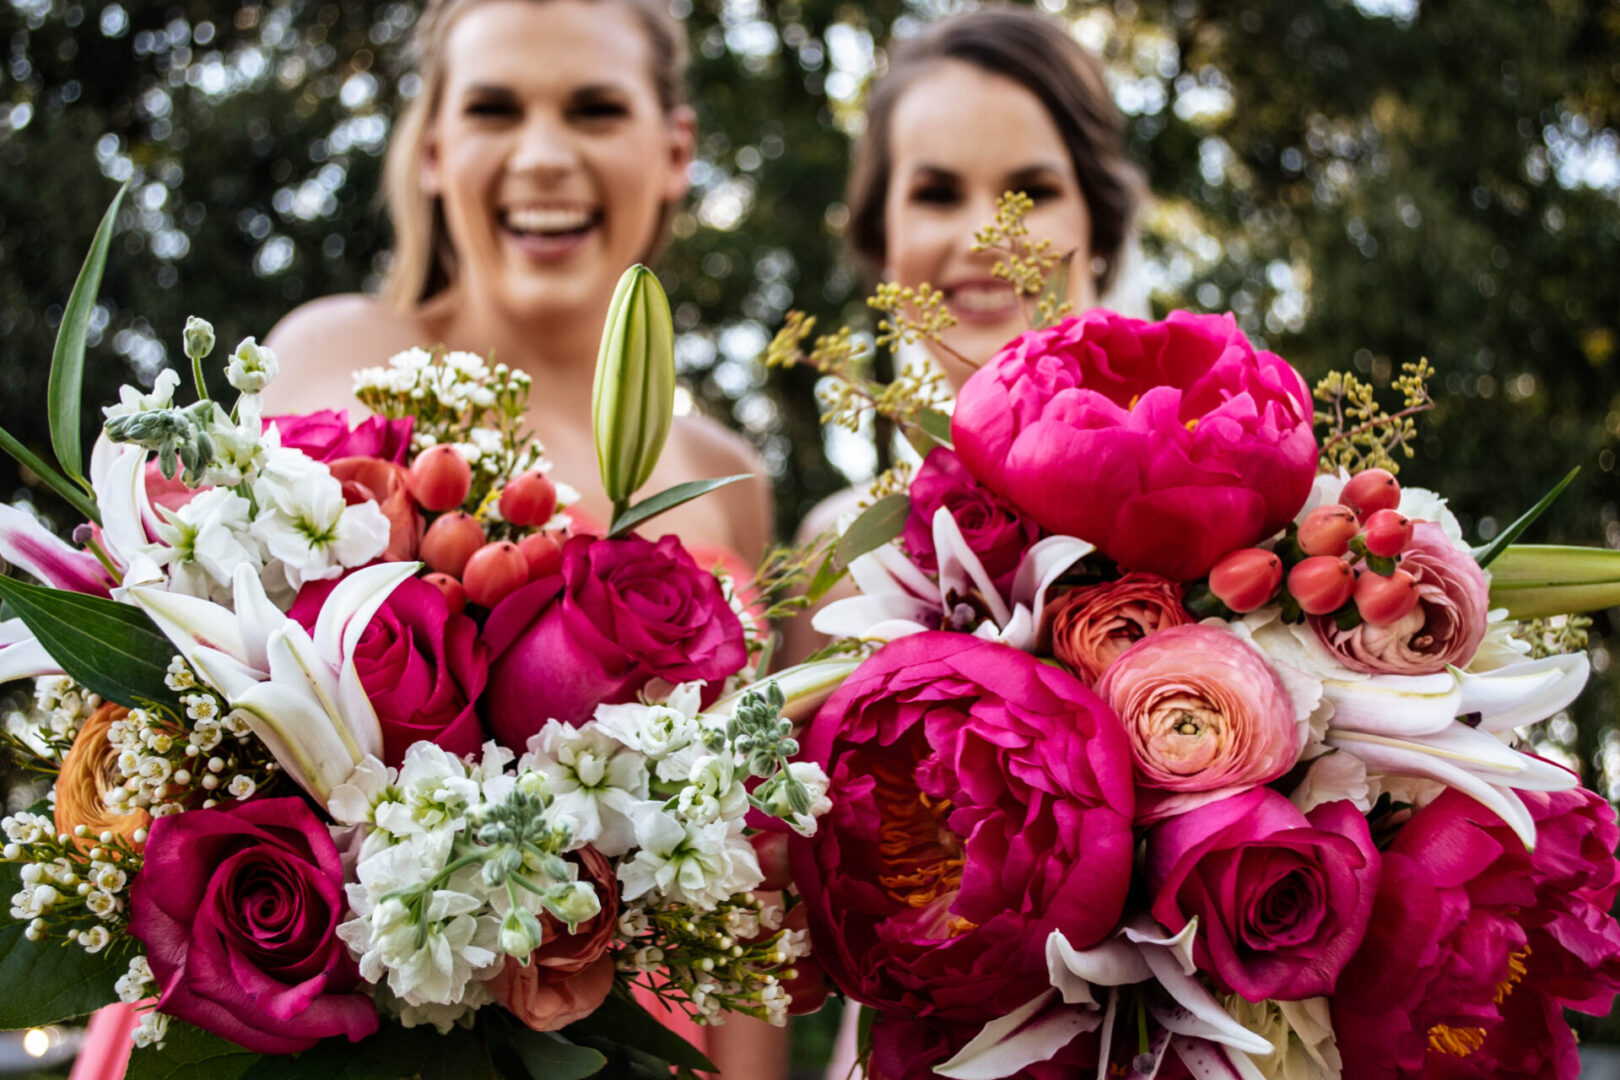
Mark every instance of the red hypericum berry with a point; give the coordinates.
(1246, 579)
(440, 478)
(1327, 530)
(1385, 600)
(494, 572)
(529, 500)
(1322, 583)
(544, 552)
(1388, 533)
(771, 848)
(1371, 491)
(450, 541)
(454, 595)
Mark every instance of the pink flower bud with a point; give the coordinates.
(771, 849)
(1384, 601)
(544, 553)
(1371, 491)
(494, 572)
(529, 500)
(440, 478)
(1327, 530)
(1246, 579)
(1321, 584)
(1388, 533)
(450, 541)
(454, 594)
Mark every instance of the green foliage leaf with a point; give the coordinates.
(190, 1053)
(1488, 554)
(551, 1057)
(48, 981)
(66, 389)
(112, 648)
(668, 499)
(394, 1053)
(620, 1020)
(936, 425)
(877, 525)
(49, 476)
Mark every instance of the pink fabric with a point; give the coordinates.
(673, 1019)
(104, 1055)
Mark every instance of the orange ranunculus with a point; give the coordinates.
(1096, 623)
(569, 976)
(89, 771)
(383, 482)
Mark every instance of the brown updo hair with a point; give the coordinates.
(424, 259)
(1039, 54)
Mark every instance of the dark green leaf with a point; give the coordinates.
(66, 389)
(668, 499)
(548, 1056)
(863, 1028)
(936, 425)
(394, 1053)
(620, 1020)
(1382, 565)
(48, 981)
(460, 1055)
(112, 648)
(1487, 554)
(189, 1053)
(1056, 289)
(49, 476)
(877, 525)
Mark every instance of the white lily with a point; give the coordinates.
(21, 656)
(898, 599)
(128, 522)
(302, 694)
(28, 545)
(1188, 1019)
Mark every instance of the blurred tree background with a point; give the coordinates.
(1363, 183)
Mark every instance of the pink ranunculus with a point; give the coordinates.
(1206, 717)
(994, 529)
(367, 479)
(422, 667)
(1281, 898)
(325, 435)
(1094, 624)
(1445, 628)
(569, 975)
(1477, 945)
(1166, 444)
(619, 614)
(981, 799)
(238, 911)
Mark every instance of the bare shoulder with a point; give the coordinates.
(321, 343)
(706, 449)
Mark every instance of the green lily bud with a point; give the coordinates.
(633, 397)
(199, 337)
(1534, 581)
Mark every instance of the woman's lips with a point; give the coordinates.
(549, 234)
(982, 302)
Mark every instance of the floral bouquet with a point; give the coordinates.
(363, 749)
(1184, 743)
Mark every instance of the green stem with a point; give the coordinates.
(102, 557)
(51, 477)
(197, 377)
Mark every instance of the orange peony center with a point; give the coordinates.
(921, 858)
(1460, 1042)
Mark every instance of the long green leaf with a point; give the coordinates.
(668, 499)
(65, 392)
(190, 1053)
(1488, 553)
(112, 648)
(877, 525)
(621, 1021)
(551, 1057)
(47, 982)
(52, 479)
(394, 1053)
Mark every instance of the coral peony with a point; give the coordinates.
(89, 771)
(994, 529)
(1093, 625)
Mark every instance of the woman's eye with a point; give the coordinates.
(1042, 192)
(937, 194)
(600, 110)
(489, 109)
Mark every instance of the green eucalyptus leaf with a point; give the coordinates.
(393, 1053)
(668, 499)
(53, 980)
(189, 1053)
(549, 1056)
(936, 425)
(877, 525)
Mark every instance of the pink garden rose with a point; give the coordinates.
(422, 667)
(619, 614)
(1206, 717)
(1094, 624)
(1166, 444)
(981, 799)
(237, 910)
(1281, 898)
(994, 529)
(324, 435)
(1444, 629)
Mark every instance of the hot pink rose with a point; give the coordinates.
(569, 976)
(1281, 898)
(422, 667)
(238, 910)
(1444, 629)
(1093, 625)
(994, 529)
(619, 614)
(325, 435)
(366, 479)
(1166, 444)
(981, 799)
(1206, 717)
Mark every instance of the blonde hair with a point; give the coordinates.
(424, 259)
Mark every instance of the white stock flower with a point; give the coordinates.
(700, 865)
(131, 400)
(304, 522)
(434, 794)
(596, 781)
(204, 542)
(659, 730)
(240, 448)
(252, 367)
(713, 791)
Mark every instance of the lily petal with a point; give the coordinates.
(1109, 963)
(1199, 1014)
(1042, 565)
(21, 656)
(960, 570)
(193, 624)
(1030, 1033)
(1518, 694)
(1213, 1061)
(859, 616)
(30, 546)
(805, 687)
(1396, 705)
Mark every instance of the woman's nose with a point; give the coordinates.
(545, 146)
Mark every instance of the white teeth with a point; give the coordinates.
(535, 220)
(982, 298)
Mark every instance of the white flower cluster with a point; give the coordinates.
(60, 706)
(63, 884)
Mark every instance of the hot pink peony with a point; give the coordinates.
(981, 799)
(1444, 629)
(1206, 717)
(994, 529)
(1281, 898)
(1166, 444)
(325, 435)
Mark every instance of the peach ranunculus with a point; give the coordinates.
(89, 771)
(569, 975)
(1094, 624)
(1206, 716)
(383, 482)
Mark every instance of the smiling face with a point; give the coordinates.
(960, 137)
(550, 153)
